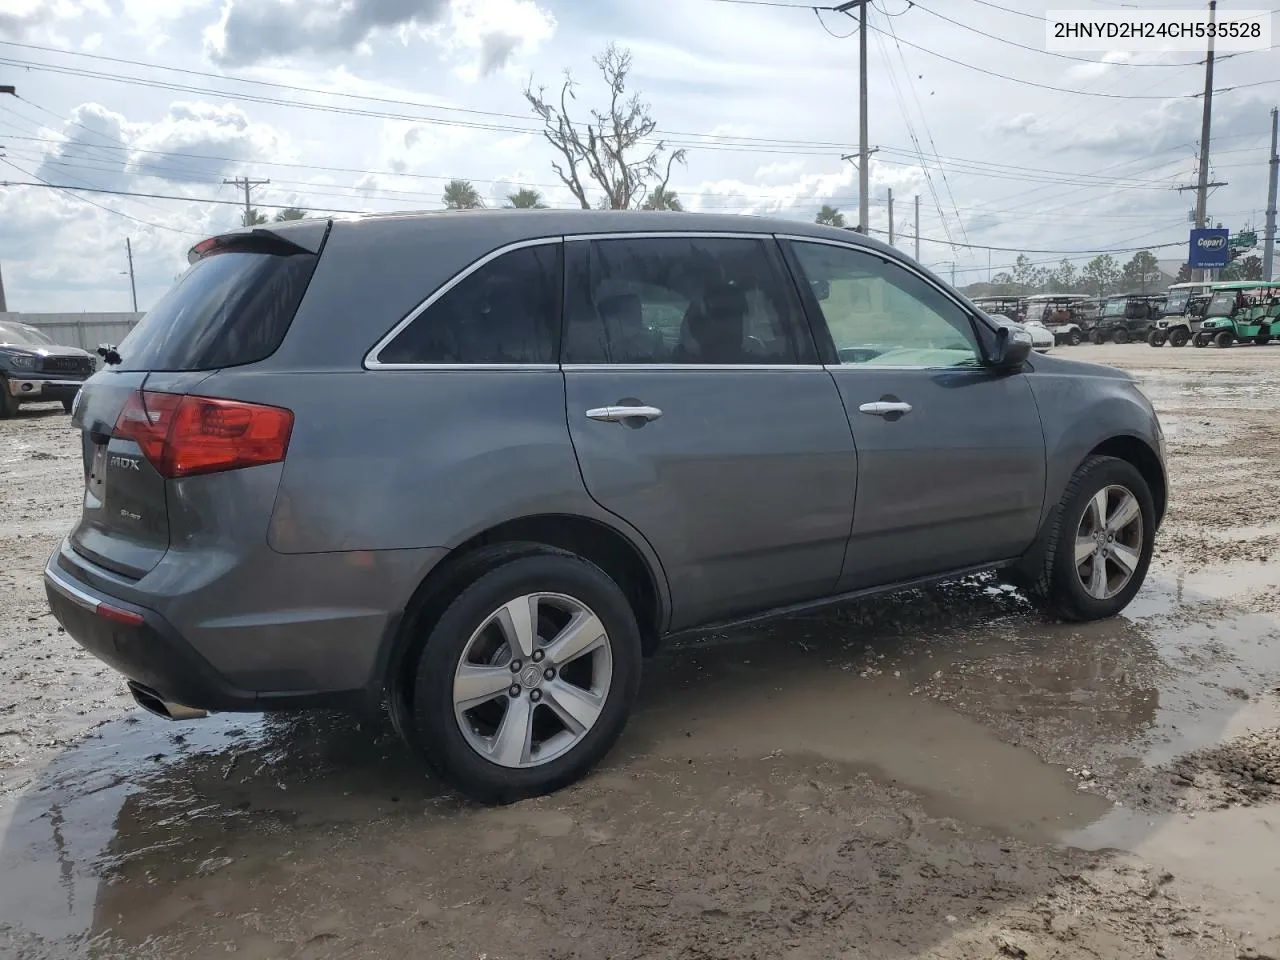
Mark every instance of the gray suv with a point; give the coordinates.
(473, 467)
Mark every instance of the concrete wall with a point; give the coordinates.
(83, 330)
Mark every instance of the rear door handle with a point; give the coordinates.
(883, 408)
(619, 414)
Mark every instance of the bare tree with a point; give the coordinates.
(603, 151)
(526, 199)
(461, 195)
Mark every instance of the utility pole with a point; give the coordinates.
(248, 185)
(1202, 181)
(133, 287)
(891, 216)
(1269, 244)
(917, 228)
(864, 153)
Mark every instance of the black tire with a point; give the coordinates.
(1179, 336)
(68, 404)
(1156, 338)
(8, 402)
(1073, 338)
(1053, 584)
(1121, 336)
(433, 729)
(1098, 337)
(1224, 339)
(1200, 340)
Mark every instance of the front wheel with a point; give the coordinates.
(1156, 338)
(1073, 338)
(1098, 337)
(527, 679)
(1178, 337)
(1122, 335)
(1200, 340)
(1099, 544)
(1224, 339)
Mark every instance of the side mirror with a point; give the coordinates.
(1013, 346)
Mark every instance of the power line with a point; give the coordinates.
(68, 190)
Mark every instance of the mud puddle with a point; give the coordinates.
(926, 727)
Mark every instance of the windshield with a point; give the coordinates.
(1114, 308)
(1177, 301)
(1222, 304)
(21, 335)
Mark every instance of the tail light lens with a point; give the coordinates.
(184, 435)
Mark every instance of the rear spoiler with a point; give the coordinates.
(284, 239)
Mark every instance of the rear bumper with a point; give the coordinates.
(147, 650)
(44, 388)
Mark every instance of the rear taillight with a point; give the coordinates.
(185, 435)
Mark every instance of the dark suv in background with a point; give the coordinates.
(34, 369)
(475, 466)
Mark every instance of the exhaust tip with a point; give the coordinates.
(152, 702)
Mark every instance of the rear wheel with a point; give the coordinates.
(1121, 335)
(1073, 338)
(1156, 338)
(527, 678)
(8, 402)
(1178, 337)
(1200, 340)
(1098, 337)
(1224, 339)
(1099, 543)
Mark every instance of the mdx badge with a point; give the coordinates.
(124, 463)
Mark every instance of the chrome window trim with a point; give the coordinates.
(670, 367)
(371, 361)
(670, 235)
(910, 268)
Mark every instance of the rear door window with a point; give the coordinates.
(228, 309)
(686, 300)
(505, 311)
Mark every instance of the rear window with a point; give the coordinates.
(228, 309)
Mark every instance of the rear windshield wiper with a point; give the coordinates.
(108, 353)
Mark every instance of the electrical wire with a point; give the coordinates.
(838, 36)
(67, 190)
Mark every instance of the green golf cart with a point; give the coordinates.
(1244, 311)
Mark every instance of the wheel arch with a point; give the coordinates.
(608, 548)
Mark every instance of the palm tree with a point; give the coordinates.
(662, 199)
(252, 218)
(291, 213)
(461, 195)
(830, 216)
(526, 199)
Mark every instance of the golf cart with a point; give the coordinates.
(1012, 307)
(1247, 311)
(1057, 312)
(1126, 316)
(1181, 315)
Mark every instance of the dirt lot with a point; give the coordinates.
(943, 774)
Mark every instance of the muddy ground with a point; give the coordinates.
(942, 774)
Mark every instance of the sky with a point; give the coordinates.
(354, 105)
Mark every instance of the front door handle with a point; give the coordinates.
(884, 408)
(619, 414)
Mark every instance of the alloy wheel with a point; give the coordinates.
(1108, 546)
(532, 680)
